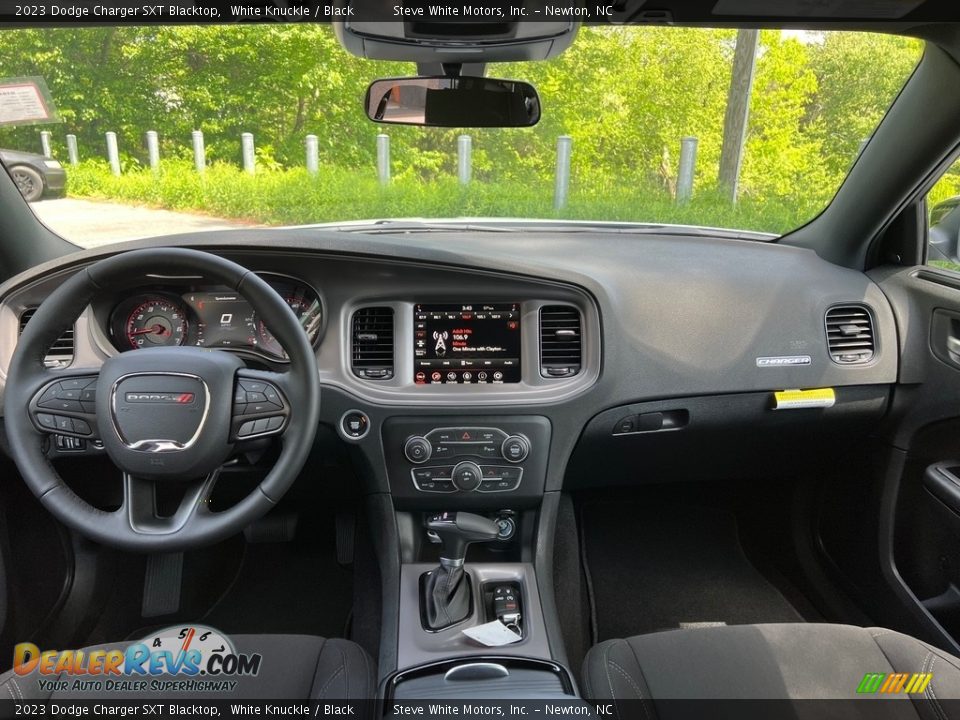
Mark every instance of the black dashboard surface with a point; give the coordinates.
(680, 315)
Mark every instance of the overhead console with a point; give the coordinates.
(473, 35)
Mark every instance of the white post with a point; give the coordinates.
(72, 152)
(246, 149)
(313, 155)
(562, 186)
(45, 143)
(199, 154)
(153, 149)
(113, 155)
(383, 158)
(464, 160)
(688, 161)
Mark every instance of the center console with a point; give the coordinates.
(477, 481)
(465, 450)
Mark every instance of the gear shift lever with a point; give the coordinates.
(445, 590)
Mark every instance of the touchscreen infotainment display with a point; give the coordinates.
(471, 343)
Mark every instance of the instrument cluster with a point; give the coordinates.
(210, 316)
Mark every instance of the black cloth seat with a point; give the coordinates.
(293, 667)
(779, 661)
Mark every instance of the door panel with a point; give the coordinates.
(919, 524)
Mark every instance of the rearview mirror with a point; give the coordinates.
(453, 102)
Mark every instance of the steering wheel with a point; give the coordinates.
(164, 415)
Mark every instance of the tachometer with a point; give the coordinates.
(156, 321)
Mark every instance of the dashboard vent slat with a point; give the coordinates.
(61, 352)
(561, 341)
(372, 343)
(850, 334)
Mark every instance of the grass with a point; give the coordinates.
(944, 265)
(292, 197)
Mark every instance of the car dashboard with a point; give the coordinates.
(489, 372)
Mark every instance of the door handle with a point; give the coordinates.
(942, 480)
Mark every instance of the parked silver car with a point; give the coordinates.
(35, 174)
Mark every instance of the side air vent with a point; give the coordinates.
(373, 343)
(560, 341)
(850, 336)
(61, 354)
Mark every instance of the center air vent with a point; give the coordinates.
(372, 339)
(560, 341)
(850, 336)
(61, 354)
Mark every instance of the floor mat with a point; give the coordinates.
(662, 570)
(295, 587)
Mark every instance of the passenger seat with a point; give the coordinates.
(779, 661)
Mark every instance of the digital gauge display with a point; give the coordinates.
(469, 343)
(211, 317)
(226, 319)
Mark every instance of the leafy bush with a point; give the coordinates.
(291, 197)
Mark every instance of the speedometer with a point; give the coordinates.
(156, 321)
(307, 309)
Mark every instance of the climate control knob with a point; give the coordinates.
(515, 448)
(467, 476)
(417, 449)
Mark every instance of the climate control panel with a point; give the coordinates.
(481, 442)
(474, 459)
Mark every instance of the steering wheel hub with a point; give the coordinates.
(168, 410)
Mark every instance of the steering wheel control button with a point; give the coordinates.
(272, 396)
(46, 421)
(467, 476)
(80, 427)
(516, 448)
(70, 444)
(354, 425)
(256, 397)
(258, 409)
(417, 450)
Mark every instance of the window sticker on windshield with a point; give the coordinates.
(26, 101)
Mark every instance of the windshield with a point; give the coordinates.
(173, 129)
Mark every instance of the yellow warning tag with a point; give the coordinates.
(797, 399)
